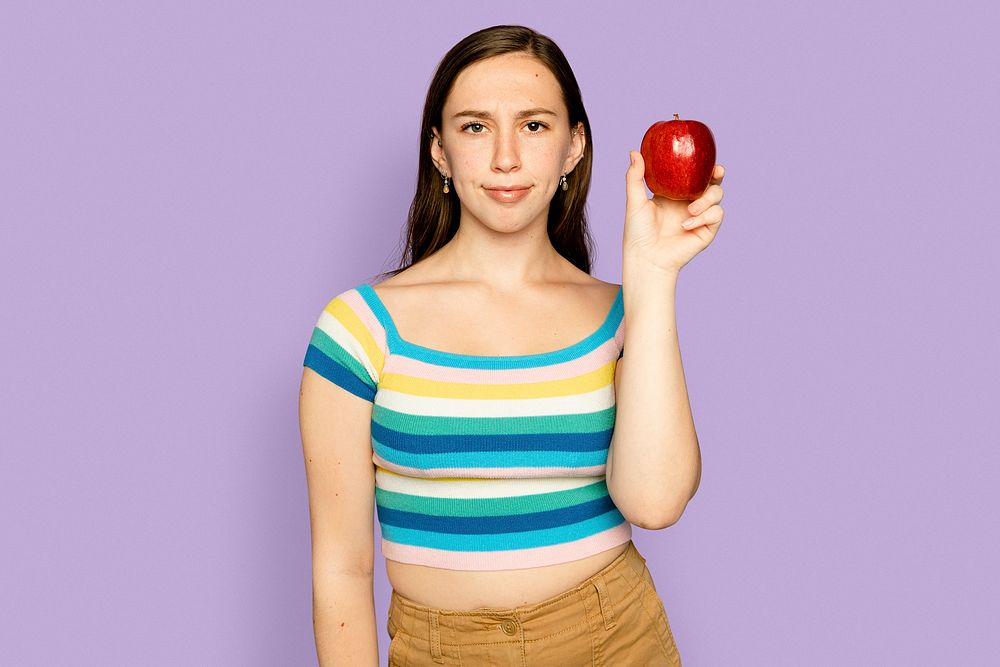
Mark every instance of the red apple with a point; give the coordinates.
(679, 156)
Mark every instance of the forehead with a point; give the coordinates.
(512, 79)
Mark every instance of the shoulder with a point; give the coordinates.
(608, 290)
(598, 291)
(348, 345)
(408, 295)
(355, 312)
(592, 287)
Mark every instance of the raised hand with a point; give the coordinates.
(665, 234)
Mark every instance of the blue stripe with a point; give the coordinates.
(503, 541)
(491, 442)
(397, 345)
(497, 459)
(337, 373)
(504, 523)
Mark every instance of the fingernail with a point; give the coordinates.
(688, 224)
(631, 159)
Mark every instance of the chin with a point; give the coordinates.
(504, 218)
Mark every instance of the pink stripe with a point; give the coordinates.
(508, 560)
(596, 358)
(353, 298)
(492, 473)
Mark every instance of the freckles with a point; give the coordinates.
(469, 166)
(555, 155)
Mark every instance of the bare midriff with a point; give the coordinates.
(467, 590)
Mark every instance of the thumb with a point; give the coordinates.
(635, 186)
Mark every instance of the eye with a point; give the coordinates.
(467, 125)
(536, 122)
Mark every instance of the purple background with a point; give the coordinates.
(185, 185)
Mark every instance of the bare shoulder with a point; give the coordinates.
(408, 289)
(471, 318)
(609, 290)
(599, 293)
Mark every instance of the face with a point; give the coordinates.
(505, 141)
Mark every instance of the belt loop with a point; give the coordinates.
(435, 637)
(607, 611)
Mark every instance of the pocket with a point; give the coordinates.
(394, 640)
(665, 626)
(649, 578)
(653, 605)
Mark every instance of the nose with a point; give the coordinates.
(506, 152)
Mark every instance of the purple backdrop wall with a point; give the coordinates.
(185, 185)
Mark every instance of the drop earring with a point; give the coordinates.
(563, 184)
(445, 189)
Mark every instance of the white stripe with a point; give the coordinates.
(592, 401)
(484, 488)
(332, 327)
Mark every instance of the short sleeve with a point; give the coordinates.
(348, 345)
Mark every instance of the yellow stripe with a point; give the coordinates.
(580, 384)
(346, 316)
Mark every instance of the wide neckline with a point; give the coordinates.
(397, 342)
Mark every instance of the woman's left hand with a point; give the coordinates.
(653, 233)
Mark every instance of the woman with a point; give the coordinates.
(481, 397)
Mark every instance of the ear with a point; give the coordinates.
(437, 152)
(577, 144)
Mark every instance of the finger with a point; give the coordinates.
(712, 216)
(718, 173)
(712, 196)
(635, 186)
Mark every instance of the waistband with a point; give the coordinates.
(434, 627)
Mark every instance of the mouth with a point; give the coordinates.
(508, 194)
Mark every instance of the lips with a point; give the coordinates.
(510, 194)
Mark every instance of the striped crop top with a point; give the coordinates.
(481, 462)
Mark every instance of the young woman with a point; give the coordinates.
(480, 399)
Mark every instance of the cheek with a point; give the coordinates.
(470, 164)
(552, 158)
(466, 163)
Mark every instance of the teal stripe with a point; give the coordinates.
(586, 422)
(503, 541)
(500, 459)
(505, 506)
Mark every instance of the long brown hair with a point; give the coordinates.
(434, 216)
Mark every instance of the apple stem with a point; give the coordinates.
(676, 117)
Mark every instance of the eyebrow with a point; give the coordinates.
(537, 111)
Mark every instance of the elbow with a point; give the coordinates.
(671, 509)
(654, 510)
(668, 515)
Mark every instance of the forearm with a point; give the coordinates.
(344, 620)
(655, 462)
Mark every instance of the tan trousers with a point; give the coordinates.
(613, 618)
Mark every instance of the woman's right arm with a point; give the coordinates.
(335, 426)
